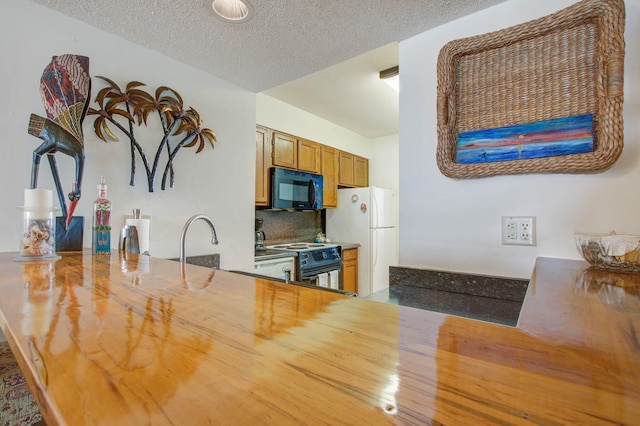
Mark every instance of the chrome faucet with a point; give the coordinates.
(183, 235)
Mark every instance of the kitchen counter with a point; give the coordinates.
(103, 340)
(347, 246)
(272, 254)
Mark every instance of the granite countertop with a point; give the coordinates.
(346, 246)
(272, 254)
(106, 340)
(276, 254)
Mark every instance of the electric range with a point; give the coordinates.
(313, 260)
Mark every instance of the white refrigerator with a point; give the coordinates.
(367, 216)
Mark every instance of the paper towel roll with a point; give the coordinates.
(142, 226)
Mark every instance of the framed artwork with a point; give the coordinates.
(541, 97)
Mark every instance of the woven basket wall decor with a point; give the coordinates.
(565, 65)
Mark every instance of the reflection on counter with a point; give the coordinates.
(618, 290)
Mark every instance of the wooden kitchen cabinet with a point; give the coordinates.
(350, 270)
(263, 162)
(345, 172)
(329, 170)
(284, 150)
(360, 171)
(309, 156)
(339, 168)
(353, 170)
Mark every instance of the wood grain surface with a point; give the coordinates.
(104, 340)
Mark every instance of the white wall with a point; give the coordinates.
(275, 114)
(218, 182)
(383, 164)
(450, 224)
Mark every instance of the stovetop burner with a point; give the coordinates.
(300, 246)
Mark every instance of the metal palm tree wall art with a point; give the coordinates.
(65, 87)
(182, 127)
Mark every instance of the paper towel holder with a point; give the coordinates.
(128, 242)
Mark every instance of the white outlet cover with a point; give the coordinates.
(519, 230)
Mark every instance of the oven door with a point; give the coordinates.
(326, 276)
(292, 189)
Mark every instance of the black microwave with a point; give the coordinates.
(294, 189)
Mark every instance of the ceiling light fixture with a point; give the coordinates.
(391, 76)
(233, 10)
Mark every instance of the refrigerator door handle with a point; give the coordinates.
(374, 241)
(376, 210)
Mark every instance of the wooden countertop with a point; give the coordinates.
(107, 341)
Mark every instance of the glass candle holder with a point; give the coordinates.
(38, 234)
(37, 240)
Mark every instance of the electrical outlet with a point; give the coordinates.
(519, 230)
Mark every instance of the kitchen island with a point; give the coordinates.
(107, 340)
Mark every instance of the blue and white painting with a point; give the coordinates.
(549, 138)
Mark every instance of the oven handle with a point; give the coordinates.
(314, 278)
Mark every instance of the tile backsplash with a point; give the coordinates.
(290, 226)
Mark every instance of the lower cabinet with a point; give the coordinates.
(350, 270)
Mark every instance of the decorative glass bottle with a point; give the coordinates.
(101, 243)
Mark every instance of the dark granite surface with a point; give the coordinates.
(475, 285)
(272, 254)
(207, 260)
(346, 246)
(484, 298)
(290, 226)
(489, 309)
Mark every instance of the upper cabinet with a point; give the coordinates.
(295, 153)
(345, 175)
(285, 150)
(353, 170)
(360, 171)
(329, 162)
(338, 168)
(263, 162)
(309, 156)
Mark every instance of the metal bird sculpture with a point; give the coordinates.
(65, 88)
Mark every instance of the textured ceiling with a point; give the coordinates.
(285, 41)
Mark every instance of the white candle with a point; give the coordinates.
(39, 201)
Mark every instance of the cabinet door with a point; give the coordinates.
(285, 150)
(309, 156)
(263, 162)
(329, 161)
(350, 270)
(345, 174)
(360, 171)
